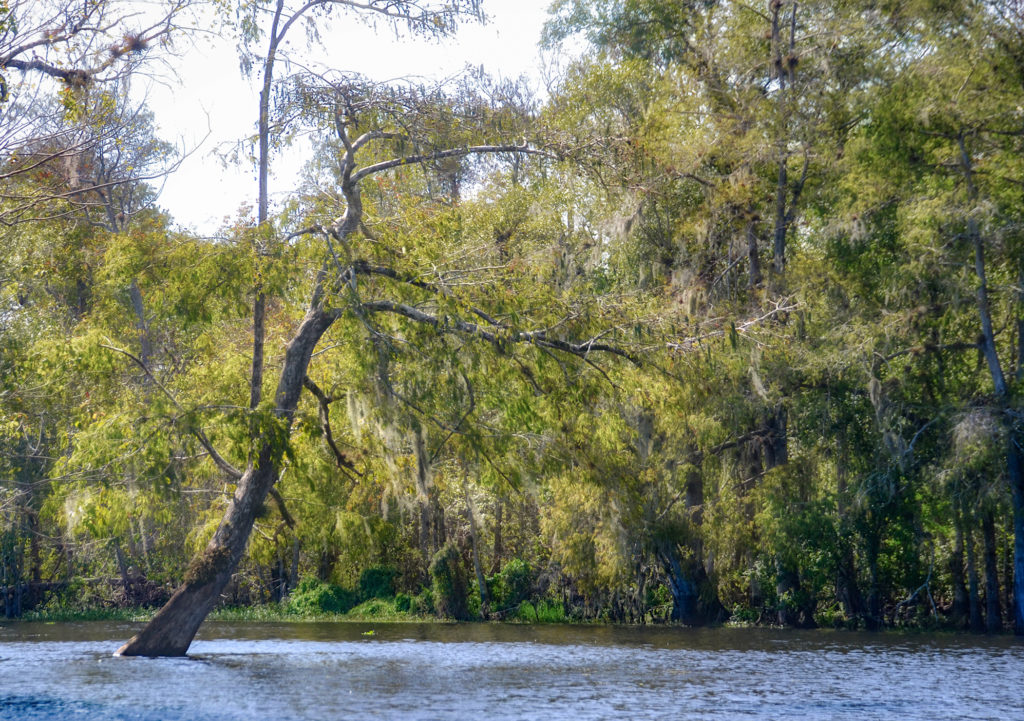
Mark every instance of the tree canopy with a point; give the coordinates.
(727, 325)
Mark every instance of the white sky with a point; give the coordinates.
(214, 99)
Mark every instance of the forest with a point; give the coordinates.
(724, 326)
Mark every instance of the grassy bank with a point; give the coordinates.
(375, 609)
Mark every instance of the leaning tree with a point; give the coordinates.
(376, 130)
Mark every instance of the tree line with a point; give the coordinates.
(729, 324)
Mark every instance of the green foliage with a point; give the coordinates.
(314, 597)
(805, 437)
(423, 603)
(373, 609)
(377, 582)
(542, 611)
(511, 586)
(448, 583)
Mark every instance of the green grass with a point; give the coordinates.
(541, 612)
(380, 609)
(269, 612)
(375, 609)
(71, 615)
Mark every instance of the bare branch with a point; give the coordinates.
(325, 424)
(450, 153)
(693, 342)
(282, 509)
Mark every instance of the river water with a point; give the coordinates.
(299, 672)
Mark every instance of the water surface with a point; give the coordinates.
(321, 671)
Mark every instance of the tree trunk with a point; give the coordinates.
(1014, 462)
(293, 572)
(171, 631)
(423, 499)
(847, 590)
(1015, 471)
(787, 585)
(478, 568)
(974, 601)
(683, 585)
(499, 551)
(139, 308)
(776, 450)
(993, 613)
(873, 619)
(753, 259)
(694, 600)
(784, 70)
(956, 571)
(122, 569)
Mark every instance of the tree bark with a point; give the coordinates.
(171, 631)
(1015, 470)
(873, 618)
(993, 613)
(694, 600)
(424, 498)
(259, 306)
(787, 584)
(784, 70)
(139, 308)
(499, 549)
(683, 583)
(956, 570)
(478, 569)
(1014, 462)
(977, 623)
(753, 258)
(847, 590)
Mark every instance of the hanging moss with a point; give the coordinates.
(449, 583)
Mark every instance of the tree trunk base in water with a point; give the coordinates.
(172, 629)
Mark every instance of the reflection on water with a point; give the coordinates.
(297, 672)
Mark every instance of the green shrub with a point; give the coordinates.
(377, 582)
(448, 579)
(541, 612)
(403, 603)
(657, 596)
(313, 597)
(474, 605)
(375, 608)
(744, 616)
(511, 586)
(423, 604)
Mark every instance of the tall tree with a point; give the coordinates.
(369, 145)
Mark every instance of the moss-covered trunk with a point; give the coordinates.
(171, 631)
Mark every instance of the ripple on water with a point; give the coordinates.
(301, 672)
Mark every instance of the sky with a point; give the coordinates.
(209, 107)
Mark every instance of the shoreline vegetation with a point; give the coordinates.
(727, 326)
(382, 611)
(318, 602)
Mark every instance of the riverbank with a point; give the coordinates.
(382, 610)
(377, 609)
